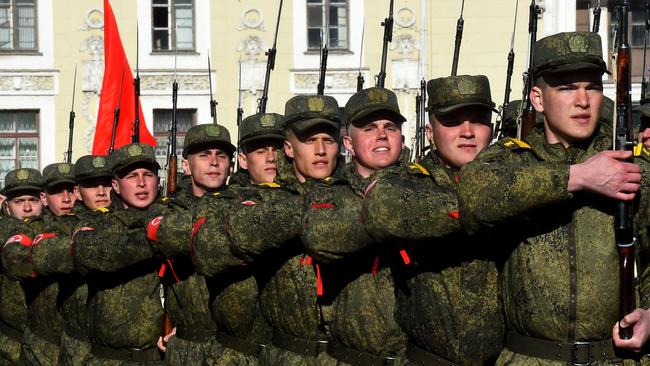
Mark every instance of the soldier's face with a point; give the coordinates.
(460, 135)
(570, 103)
(259, 159)
(60, 198)
(26, 205)
(209, 169)
(94, 192)
(138, 187)
(314, 152)
(374, 144)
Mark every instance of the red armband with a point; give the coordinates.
(21, 239)
(152, 228)
(40, 237)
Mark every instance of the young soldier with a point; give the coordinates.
(354, 270)
(264, 232)
(124, 308)
(23, 188)
(555, 194)
(446, 298)
(207, 160)
(44, 322)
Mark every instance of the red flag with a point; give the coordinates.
(116, 66)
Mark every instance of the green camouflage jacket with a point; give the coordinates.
(561, 280)
(13, 306)
(43, 317)
(447, 291)
(124, 306)
(355, 270)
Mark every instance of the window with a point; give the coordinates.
(172, 25)
(18, 140)
(331, 15)
(18, 25)
(638, 28)
(162, 120)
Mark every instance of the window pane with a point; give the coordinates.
(7, 122)
(161, 120)
(26, 27)
(29, 2)
(184, 120)
(160, 40)
(314, 16)
(313, 38)
(8, 148)
(26, 121)
(183, 2)
(5, 28)
(28, 152)
(164, 2)
(160, 17)
(184, 38)
(314, 1)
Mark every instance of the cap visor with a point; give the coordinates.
(455, 107)
(302, 126)
(366, 112)
(260, 137)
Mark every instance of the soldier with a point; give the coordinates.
(509, 117)
(446, 298)
(354, 270)
(23, 189)
(644, 131)
(262, 136)
(124, 308)
(552, 195)
(264, 232)
(207, 160)
(44, 322)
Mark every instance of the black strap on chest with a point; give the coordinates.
(421, 357)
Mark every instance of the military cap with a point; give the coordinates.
(131, 154)
(207, 135)
(261, 126)
(57, 173)
(454, 92)
(371, 100)
(569, 51)
(23, 179)
(303, 112)
(91, 166)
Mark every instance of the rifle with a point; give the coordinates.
(68, 154)
(388, 38)
(116, 114)
(460, 24)
(136, 85)
(421, 116)
(270, 65)
(528, 117)
(360, 76)
(240, 112)
(596, 25)
(213, 103)
(511, 63)
(624, 141)
(320, 89)
(644, 81)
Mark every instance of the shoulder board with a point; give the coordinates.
(420, 168)
(641, 151)
(216, 194)
(165, 200)
(511, 143)
(328, 180)
(101, 210)
(269, 184)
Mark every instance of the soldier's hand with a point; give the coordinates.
(639, 320)
(162, 341)
(605, 174)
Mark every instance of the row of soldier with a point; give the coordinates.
(301, 259)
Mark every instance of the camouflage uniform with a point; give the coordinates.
(560, 282)
(446, 298)
(354, 270)
(188, 298)
(264, 232)
(13, 306)
(124, 307)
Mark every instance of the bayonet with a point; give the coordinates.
(68, 154)
(360, 76)
(388, 38)
(320, 90)
(511, 63)
(116, 112)
(136, 85)
(270, 65)
(460, 24)
(213, 103)
(597, 10)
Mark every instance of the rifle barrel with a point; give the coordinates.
(270, 65)
(388, 38)
(460, 24)
(68, 154)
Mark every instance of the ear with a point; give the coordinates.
(536, 98)
(428, 131)
(77, 192)
(186, 167)
(243, 163)
(116, 186)
(288, 149)
(347, 143)
(43, 198)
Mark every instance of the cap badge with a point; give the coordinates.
(377, 96)
(134, 150)
(99, 162)
(63, 168)
(22, 174)
(267, 120)
(578, 44)
(465, 87)
(212, 131)
(315, 104)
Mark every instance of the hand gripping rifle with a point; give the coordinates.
(596, 25)
(116, 114)
(460, 24)
(270, 65)
(136, 87)
(213, 103)
(624, 234)
(68, 154)
(320, 89)
(528, 117)
(360, 76)
(511, 63)
(388, 38)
